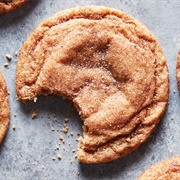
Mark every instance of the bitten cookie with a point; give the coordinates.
(165, 170)
(9, 5)
(4, 108)
(109, 65)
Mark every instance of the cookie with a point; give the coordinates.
(178, 70)
(109, 65)
(9, 5)
(165, 170)
(4, 108)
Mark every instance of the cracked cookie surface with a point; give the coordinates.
(168, 169)
(9, 5)
(4, 108)
(109, 65)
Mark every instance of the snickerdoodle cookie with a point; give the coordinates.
(178, 70)
(165, 170)
(9, 5)
(109, 65)
(4, 108)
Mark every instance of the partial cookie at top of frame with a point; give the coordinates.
(10, 5)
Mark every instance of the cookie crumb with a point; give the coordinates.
(9, 57)
(59, 156)
(52, 128)
(53, 158)
(65, 130)
(34, 114)
(35, 99)
(71, 133)
(66, 119)
(14, 127)
(61, 138)
(6, 65)
(16, 53)
(15, 114)
(73, 151)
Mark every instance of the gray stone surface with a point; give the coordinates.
(26, 153)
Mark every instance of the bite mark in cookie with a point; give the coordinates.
(109, 65)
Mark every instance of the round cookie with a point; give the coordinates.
(9, 5)
(109, 65)
(168, 169)
(178, 70)
(4, 108)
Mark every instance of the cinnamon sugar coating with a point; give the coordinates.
(4, 108)
(109, 65)
(168, 169)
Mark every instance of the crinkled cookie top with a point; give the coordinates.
(109, 65)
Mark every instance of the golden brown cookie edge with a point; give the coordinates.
(7, 7)
(178, 70)
(164, 168)
(164, 85)
(6, 113)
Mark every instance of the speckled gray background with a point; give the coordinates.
(27, 152)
